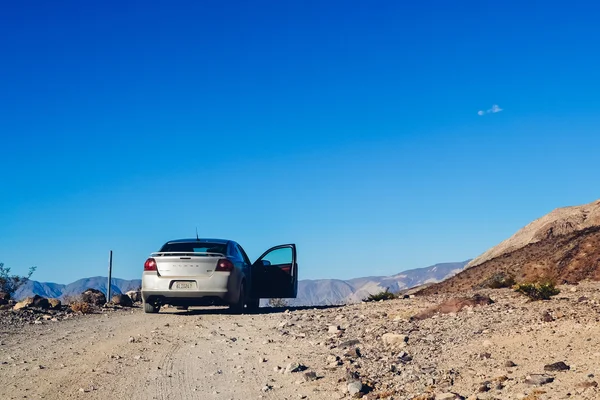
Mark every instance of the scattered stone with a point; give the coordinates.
(354, 388)
(587, 384)
(448, 396)
(294, 367)
(557, 366)
(310, 376)
(454, 305)
(509, 364)
(334, 329)
(538, 379)
(547, 317)
(348, 343)
(394, 339)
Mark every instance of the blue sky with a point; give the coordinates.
(350, 128)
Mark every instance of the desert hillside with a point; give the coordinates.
(562, 221)
(569, 258)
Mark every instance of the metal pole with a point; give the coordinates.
(109, 276)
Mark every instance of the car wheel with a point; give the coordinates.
(253, 305)
(238, 308)
(150, 308)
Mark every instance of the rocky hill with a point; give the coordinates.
(559, 222)
(310, 292)
(564, 246)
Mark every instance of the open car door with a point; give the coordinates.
(275, 273)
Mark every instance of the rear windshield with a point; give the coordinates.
(195, 247)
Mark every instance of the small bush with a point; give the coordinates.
(80, 306)
(278, 303)
(9, 284)
(385, 295)
(499, 280)
(538, 291)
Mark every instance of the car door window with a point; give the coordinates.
(282, 256)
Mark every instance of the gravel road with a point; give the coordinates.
(201, 354)
(511, 348)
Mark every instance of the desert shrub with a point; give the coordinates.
(278, 303)
(9, 284)
(499, 280)
(538, 291)
(81, 306)
(385, 295)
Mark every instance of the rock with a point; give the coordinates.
(448, 396)
(538, 379)
(121, 300)
(454, 305)
(509, 364)
(348, 343)
(587, 384)
(55, 303)
(334, 329)
(557, 366)
(394, 339)
(547, 317)
(485, 356)
(294, 367)
(93, 296)
(135, 295)
(404, 357)
(354, 388)
(310, 376)
(35, 301)
(4, 296)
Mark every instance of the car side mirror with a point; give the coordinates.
(266, 263)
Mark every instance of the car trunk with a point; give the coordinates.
(186, 265)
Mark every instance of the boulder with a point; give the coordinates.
(55, 303)
(121, 300)
(35, 301)
(4, 296)
(135, 295)
(93, 296)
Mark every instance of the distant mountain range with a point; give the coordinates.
(310, 292)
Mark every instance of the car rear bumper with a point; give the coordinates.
(220, 287)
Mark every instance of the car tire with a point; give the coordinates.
(150, 308)
(238, 308)
(253, 305)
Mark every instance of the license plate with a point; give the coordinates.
(184, 285)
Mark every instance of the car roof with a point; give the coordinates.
(201, 240)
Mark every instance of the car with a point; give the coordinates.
(198, 272)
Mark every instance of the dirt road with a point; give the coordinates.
(511, 349)
(203, 354)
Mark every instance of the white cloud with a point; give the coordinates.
(495, 109)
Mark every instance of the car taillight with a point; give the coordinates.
(224, 265)
(150, 265)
